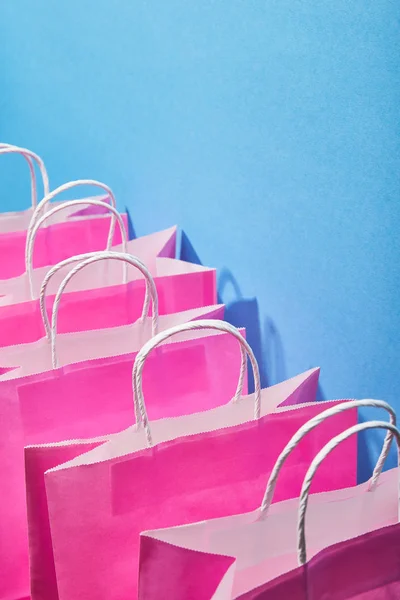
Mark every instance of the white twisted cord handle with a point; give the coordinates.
(63, 188)
(312, 424)
(69, 186)
(140, 408)
(31, 240)
(322, 454)
(53, 271)
(30, 157)
(31, 170)
(151, 292)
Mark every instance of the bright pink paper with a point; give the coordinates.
(363, 568)
(180, 286)
(101, 506)
(55, 243)
(91, 399)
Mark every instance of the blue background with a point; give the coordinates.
(268, 130)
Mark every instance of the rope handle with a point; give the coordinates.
(30, 158)
(40, 208)
(151, 293)
(31, 170)
(322, 454)
(137, 373)
(69, 186)
(53, 271)
(312, 424)
(115, 216)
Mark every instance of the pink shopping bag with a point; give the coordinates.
(200, 466)
(58, 240)
(248, 549)
(12, 287)
(27, 286)
(87, 344)
(364, 566)
(180, 286)
(94, 398)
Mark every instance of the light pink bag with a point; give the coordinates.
(147, 248)
(58, 240)
(95, 398)
(89, 343)
(363, 567)
(180, 286)
(25, 286)
(238, 553)
(200, 466)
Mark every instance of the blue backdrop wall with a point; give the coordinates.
(267, 129)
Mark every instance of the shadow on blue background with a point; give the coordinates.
(320, 393)
(268, 348)
(244, 312)
(131, 230)
(266, 344)
(239, 311)
(186, 251)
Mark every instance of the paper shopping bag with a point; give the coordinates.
(95, 398)
(89, 343)
(364, 566)
(180, 286)
(211, 463)
(11, 286)
(246, 549)
(61, 239)
(147, 248)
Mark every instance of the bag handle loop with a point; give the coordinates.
(137, 373)
(30, 158)
(151, 293)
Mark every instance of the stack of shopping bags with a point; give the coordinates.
(133, 461)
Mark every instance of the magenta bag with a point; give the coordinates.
(94, 398)
(58, 240)
(198, 467)
(180, 286)
(24, 287)
(248, 549)
(364, 566)
(147, 248)
(88, 343)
